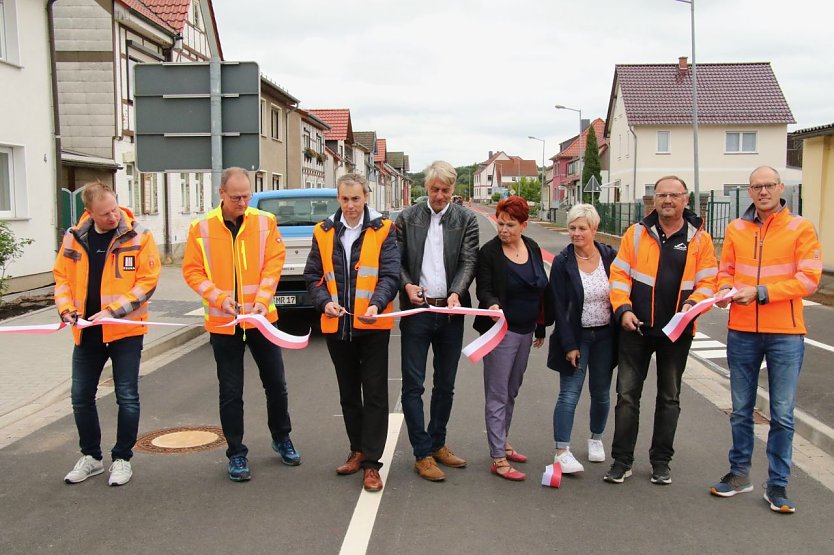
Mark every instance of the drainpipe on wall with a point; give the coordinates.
(166, 221)
(56, 125)
(634, 176)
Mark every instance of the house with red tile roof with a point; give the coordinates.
(483, 180)
(742, 114)
(566, 170)
(499, 173)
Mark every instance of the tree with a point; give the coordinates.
(591, 165)
(11, 248)
(529, 189)
(417, 191)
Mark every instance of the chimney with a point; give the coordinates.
(682, 63)
(490, 155)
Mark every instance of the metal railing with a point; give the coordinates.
(615, 217)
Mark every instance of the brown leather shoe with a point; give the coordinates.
(352, 463)
(372, 480)
(445, 456)
(428, 469)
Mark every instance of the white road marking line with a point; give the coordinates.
(819, 345)
(707, 344)
(718, 353)
(361, 525)
(806, 302)
(699, 335)
(195, 312)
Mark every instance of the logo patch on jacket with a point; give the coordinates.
(680, 247)
(129, 263)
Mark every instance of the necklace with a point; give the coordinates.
(517, 250)
(579, 256)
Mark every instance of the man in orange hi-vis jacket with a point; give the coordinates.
(666, 264)
(233, 259)
(774, 259)
(107, 267)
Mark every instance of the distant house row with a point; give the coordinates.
(67, 107)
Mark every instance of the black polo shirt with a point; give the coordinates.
(667, 284)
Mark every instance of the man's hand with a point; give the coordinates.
(572, 356)
(747, 294)
(229, 306)
(70, 317)
(720, 295)
(259, 308)
(101, 314)
(412, 291)
(453, 301)
(370, 315)
(494, 307)
(333, 310)
(630, 322)
(538, 342)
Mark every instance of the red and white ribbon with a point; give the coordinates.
(273, 334)
(552, 476)
(680, 320)
(479, 348)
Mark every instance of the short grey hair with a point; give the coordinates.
(229, 173)
(771, 168)
(442, 171)
(357, 178)
(586, 211)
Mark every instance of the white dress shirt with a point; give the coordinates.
(433, 271)
(350, 235)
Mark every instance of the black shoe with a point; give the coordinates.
(617, 473)
(661, 475)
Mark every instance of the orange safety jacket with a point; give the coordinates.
(247, 267)
(367, 274)
(783, 258)
(634, 271)
(129, 278)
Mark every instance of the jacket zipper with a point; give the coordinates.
(760, 240)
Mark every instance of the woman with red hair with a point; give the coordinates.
(510, 276)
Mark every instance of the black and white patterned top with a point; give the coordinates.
(596, 310)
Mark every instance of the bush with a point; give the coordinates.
(11, 248)
(496, 197)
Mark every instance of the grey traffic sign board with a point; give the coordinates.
(592, 186)
(173, 116)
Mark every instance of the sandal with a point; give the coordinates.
(502, 468)
(513, 455)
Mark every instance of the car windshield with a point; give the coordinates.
(299, 210)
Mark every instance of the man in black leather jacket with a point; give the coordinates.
(438, 243)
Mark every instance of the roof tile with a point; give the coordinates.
(338, 120)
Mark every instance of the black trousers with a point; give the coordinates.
(362, 372)
(635, 354)
(228, 353)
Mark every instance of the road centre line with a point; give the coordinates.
(361, 525)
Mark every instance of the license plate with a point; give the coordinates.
(284, 299)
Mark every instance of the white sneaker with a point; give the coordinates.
(596, 451)
(120, 472)
(85, 467)
(568, 463)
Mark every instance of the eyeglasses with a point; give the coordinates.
(237, 199)
(767, 186)
(673, 196)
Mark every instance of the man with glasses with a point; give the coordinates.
(233, 259)
(665, 264)
(773, 259)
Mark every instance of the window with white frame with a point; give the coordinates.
(664, 145)
(6, 182)
(185, 193)
(132, 196)
(740, 141)
(276, 181)
(319, 147)
(649, 190)
(3, 51)
(9, 51)
(150, 193)
(306, 139)
(275, 123)
(259, 182)
(308, 184)
(201, 192)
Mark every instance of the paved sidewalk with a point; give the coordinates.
(36, 368)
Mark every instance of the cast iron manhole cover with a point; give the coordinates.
(187, 439)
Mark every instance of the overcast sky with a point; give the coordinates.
(455, 79)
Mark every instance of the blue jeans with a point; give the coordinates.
(228, 353)
(596, 356)
(784, 354)
(87, 363)
(445, 336)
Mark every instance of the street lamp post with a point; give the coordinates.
(544, 177)
(581, 151)
(695, 184)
